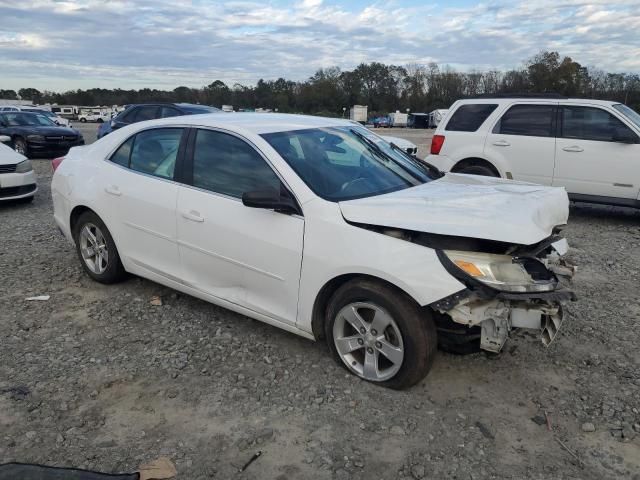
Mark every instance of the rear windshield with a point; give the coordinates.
(469, 117)
(199, 109)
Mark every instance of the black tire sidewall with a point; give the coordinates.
(114, 271)
(416, 326)
(478, 170)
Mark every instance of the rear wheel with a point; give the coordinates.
(97, 250)
(20, 146)
(83, 120)
(380, 334)
(476, 169)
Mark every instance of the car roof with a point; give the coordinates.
(258, 123)
(533, 99)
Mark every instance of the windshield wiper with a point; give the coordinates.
(421, 164)
(372, 145)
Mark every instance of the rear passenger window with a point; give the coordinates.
(122, 155)
(147, 113)
(226, 164)
(155, 151)
(527, 120)
(468, 118)
(589, 123)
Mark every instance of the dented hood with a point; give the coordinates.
(467, 206)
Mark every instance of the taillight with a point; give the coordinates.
(436, 144)
(55, 163)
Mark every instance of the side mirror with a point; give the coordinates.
(5, 139)
(271, 199)
(624, 135)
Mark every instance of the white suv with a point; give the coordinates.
(590, 147)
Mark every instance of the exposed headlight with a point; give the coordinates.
(24, 166)
(503, 272)
(36, 138)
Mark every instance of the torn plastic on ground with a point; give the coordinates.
(159, 469)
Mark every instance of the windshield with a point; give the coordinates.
(343, 163)
(629, 113)
(26, 120)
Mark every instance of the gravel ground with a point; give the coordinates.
(98, 377)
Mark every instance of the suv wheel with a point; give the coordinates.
(477, 170)
(380, 334)
(96, 249)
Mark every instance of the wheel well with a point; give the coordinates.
(327, 291)
(467, 162)
(75, 214)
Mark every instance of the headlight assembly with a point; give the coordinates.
(35, 138)
(24, 166)
(503, 272)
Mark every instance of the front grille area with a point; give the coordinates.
(14, 191)
(61, 138)
(8, 168)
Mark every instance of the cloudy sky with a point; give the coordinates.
(67, 44)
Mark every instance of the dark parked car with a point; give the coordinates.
(151, 111)
(381, 122)
(35, 135)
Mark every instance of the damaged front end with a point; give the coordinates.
(520, 287)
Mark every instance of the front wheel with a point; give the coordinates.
(380, 334)
(83, 120)
(97, 250)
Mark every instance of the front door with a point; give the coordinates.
(247, 256)
(589, 158)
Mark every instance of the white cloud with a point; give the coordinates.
(165, 43)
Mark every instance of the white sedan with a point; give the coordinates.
(17, 179)
(319, 227)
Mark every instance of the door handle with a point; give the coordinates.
(501, 143)
(193, 216)
(113, 190)
(573, 148)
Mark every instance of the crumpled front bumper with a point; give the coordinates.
(497, 313)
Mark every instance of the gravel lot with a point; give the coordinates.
(98, 377)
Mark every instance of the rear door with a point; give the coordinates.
(248, 256)
(590, 160)
(141, 193)
(523, 140)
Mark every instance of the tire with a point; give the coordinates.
(83, 120)
(411, 332)
(100, 120)
(476, 169)
(105, 267)
(20, 146)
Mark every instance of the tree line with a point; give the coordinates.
(384, 88)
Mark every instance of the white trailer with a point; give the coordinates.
(358, 113)
(436, 117)
(227, 108)
(398, 119)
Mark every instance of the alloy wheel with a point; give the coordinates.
(93, 248)
(368, 341)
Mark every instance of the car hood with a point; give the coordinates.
(467, 206)
(35, 130)
(8, 156)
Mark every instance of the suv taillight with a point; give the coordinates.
(436, 144)
(55, 163)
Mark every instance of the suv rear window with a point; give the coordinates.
(469, 117)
